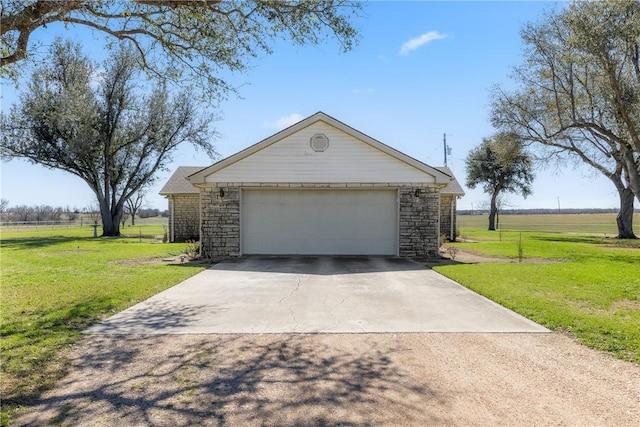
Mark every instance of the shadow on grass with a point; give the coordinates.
(236, 380)
(602, 244)
(591, 240)
(31, 347)
(42, 242)
(39, 242)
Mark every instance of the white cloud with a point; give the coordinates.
(285, 122)
(417, 42)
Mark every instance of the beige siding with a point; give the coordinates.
(346, 160)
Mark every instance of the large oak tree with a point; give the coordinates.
(188, 42)
(100, 126)
(579, 93)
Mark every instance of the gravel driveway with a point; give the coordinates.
(340, 379)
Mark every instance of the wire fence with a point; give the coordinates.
(16, 226)
(42, 225)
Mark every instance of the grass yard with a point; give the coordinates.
(580, 283)
(56, 282)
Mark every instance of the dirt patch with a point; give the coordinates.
(139, 261)
(336, 379)
(459, 256)
(467, 257)
(626, 304)
(178, 259)
(615, 307)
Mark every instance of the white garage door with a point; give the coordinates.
(319, 222)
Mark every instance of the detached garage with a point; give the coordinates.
(320, 187)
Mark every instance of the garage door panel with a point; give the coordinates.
(267, 216)
(360, 222)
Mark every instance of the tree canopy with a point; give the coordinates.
(182, 41)
(100, 127)
(500, 164)
(579, 93)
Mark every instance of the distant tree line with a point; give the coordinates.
(46, 213)
(24, 213)
(537, 211)
(152, 212)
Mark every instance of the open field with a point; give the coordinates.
(603, 224)
(580, 283)
(55, 283)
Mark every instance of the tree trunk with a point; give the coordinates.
(110, 222)
(625, 215)
(493, 211)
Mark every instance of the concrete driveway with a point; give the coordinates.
(314, 295)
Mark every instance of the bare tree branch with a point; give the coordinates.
(183, 41)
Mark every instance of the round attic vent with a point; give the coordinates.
(319, 142)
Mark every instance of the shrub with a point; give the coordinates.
(192, 250)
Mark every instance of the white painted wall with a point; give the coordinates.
(347, 160)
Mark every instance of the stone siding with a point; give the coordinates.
(445, 216)
(220, 222)
(419, 222)
(186, 217)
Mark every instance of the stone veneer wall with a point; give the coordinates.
(445, 216)
(220, 222)
(419, 219)
(186, 216)
(419, 222)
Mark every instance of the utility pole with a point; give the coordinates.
(444, 140)
(447, 149)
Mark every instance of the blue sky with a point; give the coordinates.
(421, 69)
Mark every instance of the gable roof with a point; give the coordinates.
(454, 186)
(179, 183)
(440, 177)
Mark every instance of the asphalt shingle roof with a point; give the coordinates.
(178, 183)
(454, 186)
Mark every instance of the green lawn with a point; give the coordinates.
(56, 282)
(582, 284)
